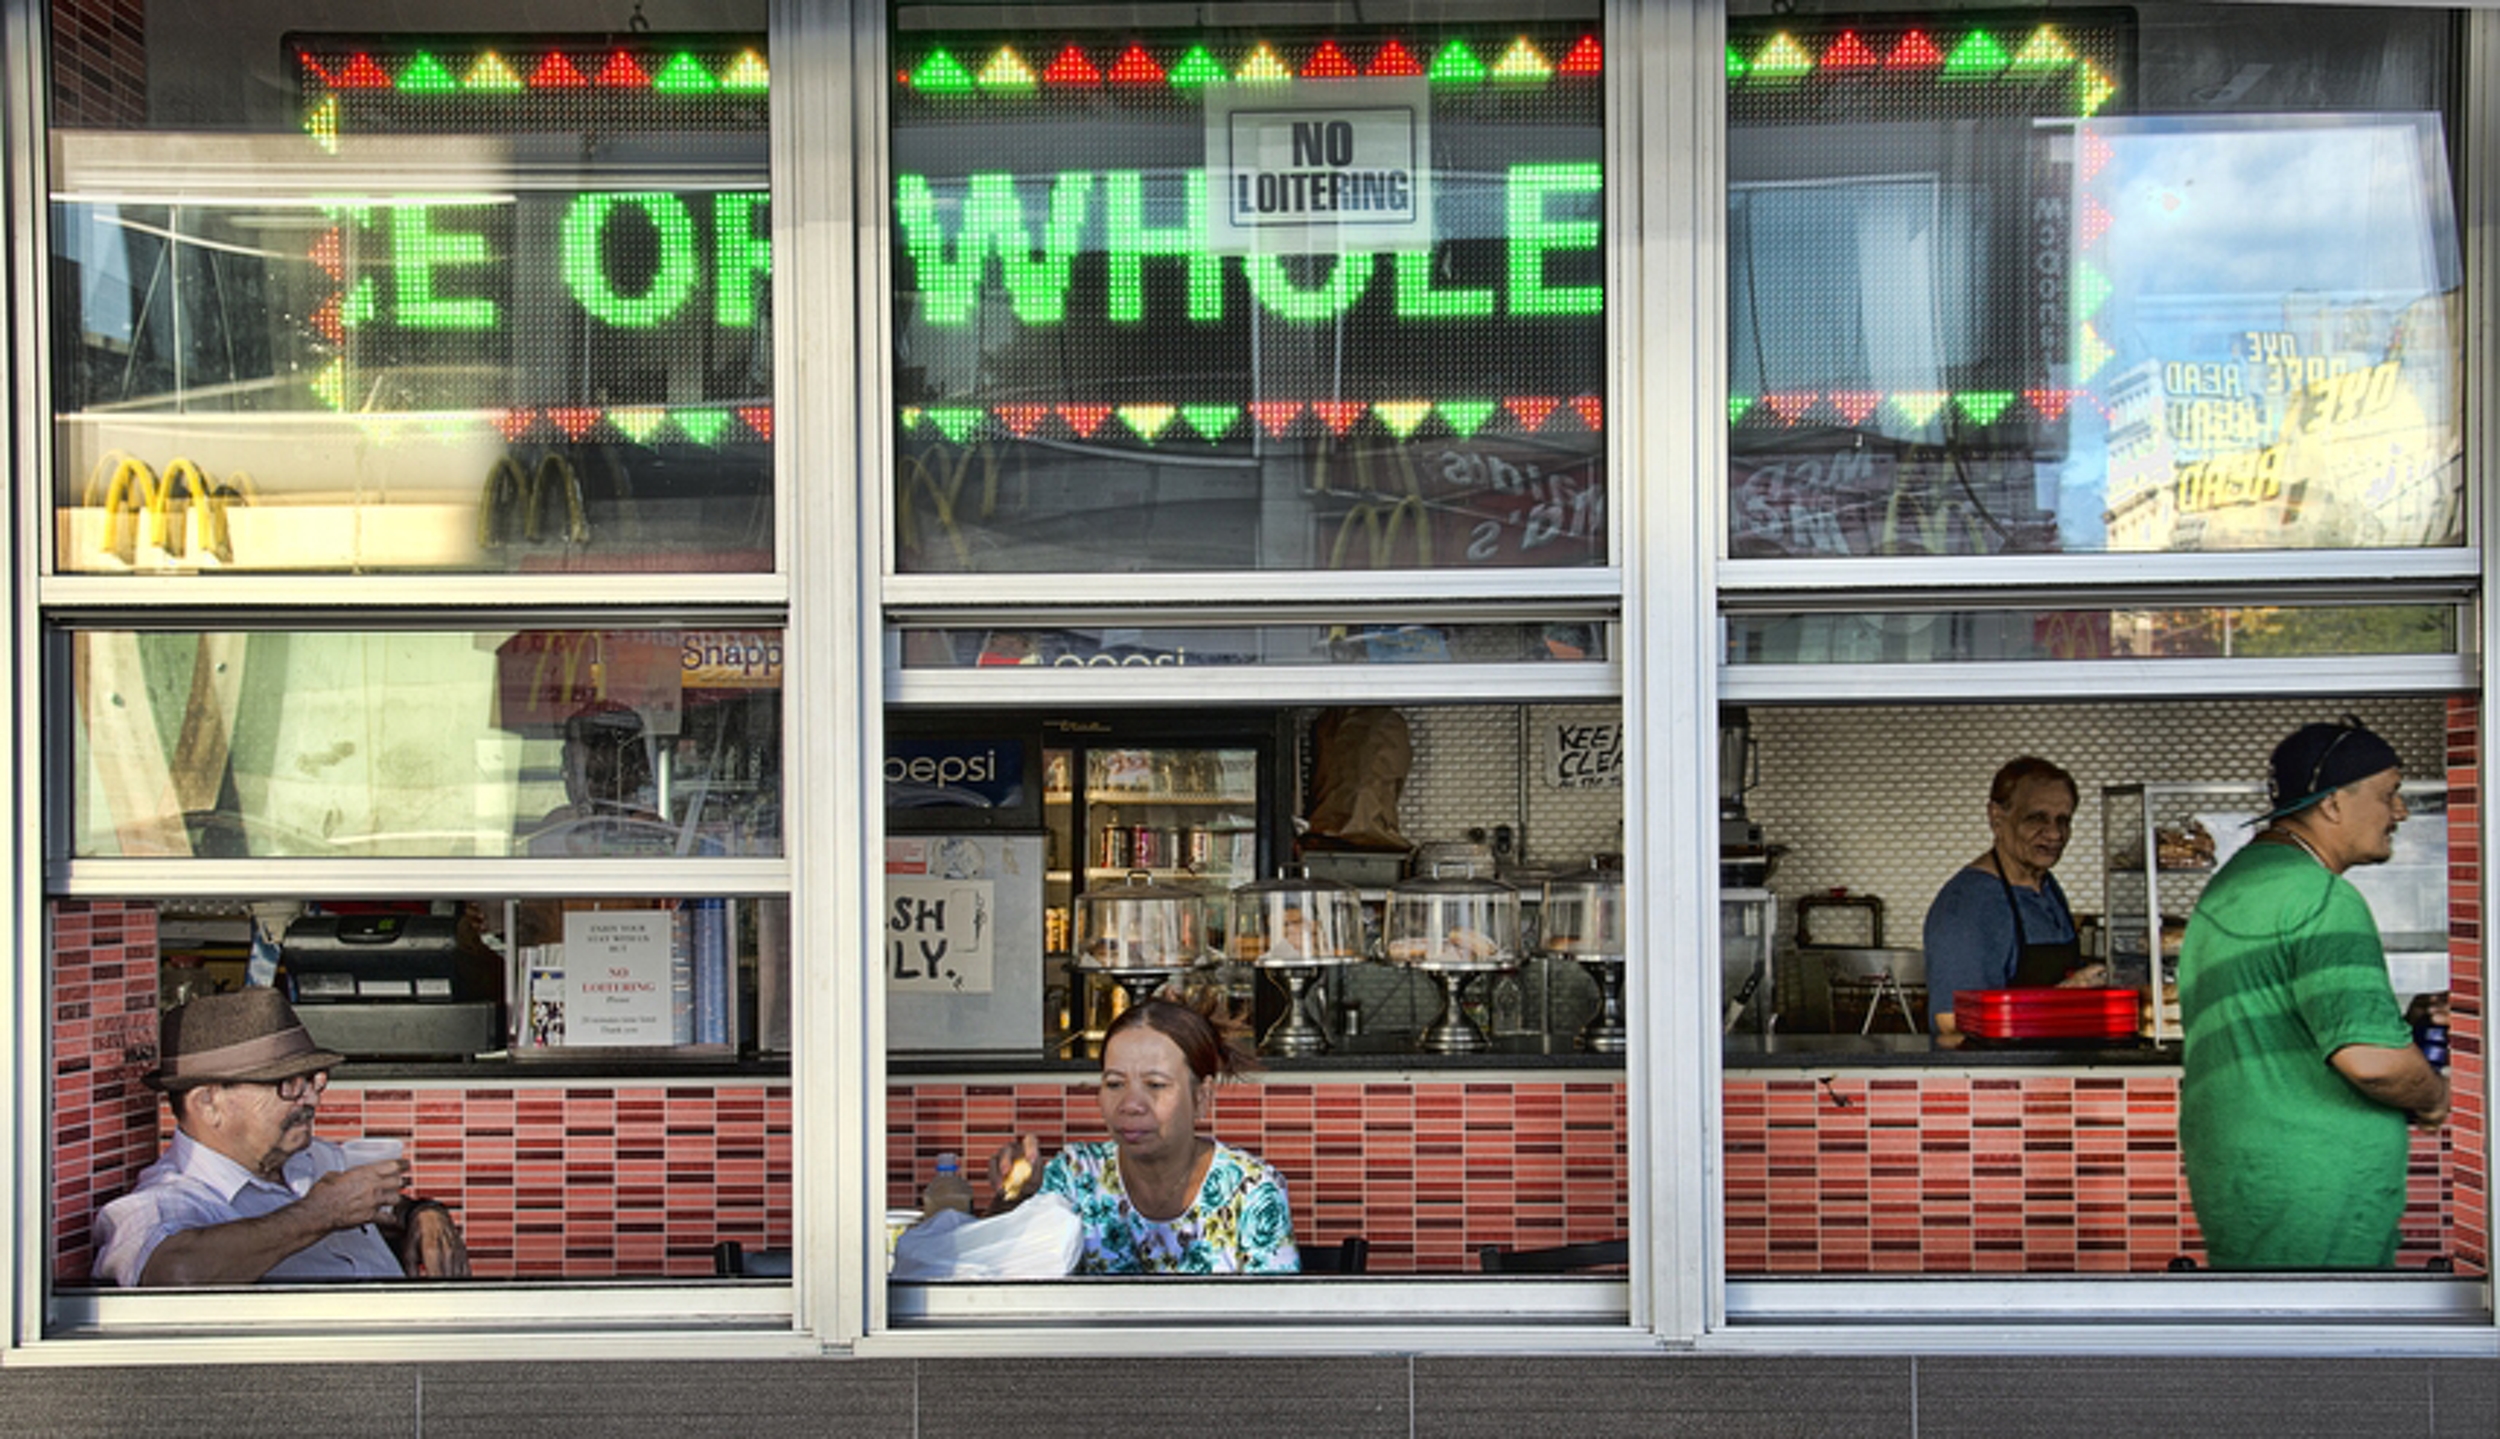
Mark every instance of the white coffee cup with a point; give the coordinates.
(371, 1151)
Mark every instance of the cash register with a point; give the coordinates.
(392, 985)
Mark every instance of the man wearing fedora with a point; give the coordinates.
(2299, 1072)
(245, 1192)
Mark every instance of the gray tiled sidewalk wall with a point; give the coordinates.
(1382, 1397)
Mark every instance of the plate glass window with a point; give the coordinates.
(1267, 296)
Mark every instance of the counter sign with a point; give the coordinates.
(1322, 167)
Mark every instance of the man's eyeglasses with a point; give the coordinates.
(297, 1086)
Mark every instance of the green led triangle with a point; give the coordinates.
(747, 72)
(425, 75)
(330, 386)
(1212, 422)
(1917, 407)
(1401, 416)
(2091, 290)
(1981, 407)
(2090, 354)
(1737, 405)
(1147, 420)
(362, 303)
(1736, 65)
(684, 75)
(637, 421)
(1007, 73)
(1782, 59)
(2097, 88)
(1195, 69)
(2043, 51)
(941, 75)
(1456, 65)
(701, 426)
(1978, 54)
(489, 72)
(322, 123)
(954, 421)
(1465, 417)
(1521, 62)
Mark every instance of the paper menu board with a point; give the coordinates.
(617, 977)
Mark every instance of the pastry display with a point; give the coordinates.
(1295, 919)
(1458, 922)
(1583, 912)
(1141, 925)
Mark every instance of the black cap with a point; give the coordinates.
(2318, 759)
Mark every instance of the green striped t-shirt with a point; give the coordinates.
(2289, 1166)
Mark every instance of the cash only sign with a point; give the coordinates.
(1319, 167)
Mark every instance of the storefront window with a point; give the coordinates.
(540, 743)
(1857, 1143)
(2088, 635)
(531, 1057)
(464, 302)
(2091, 282)
(1260, 296)
(432, 303)
(1176, 647)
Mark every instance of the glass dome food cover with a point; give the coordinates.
(1295, 919)
(1582, 916)
(1453, 922)
(1141, 925)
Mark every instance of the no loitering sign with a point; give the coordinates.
(1326, 166)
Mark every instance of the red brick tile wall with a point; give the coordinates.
(104, 1121)
(99, 64)
(1936, 1174)
(1427, 1172)
(581, 1183)
(2469, 1124)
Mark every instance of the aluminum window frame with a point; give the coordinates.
(1309, 1315)
(565, 1319)
(2049, 1314)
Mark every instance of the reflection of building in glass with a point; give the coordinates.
(2143, 510)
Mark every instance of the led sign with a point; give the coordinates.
(1231, 239)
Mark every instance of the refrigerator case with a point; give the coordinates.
(1186, 807)
(963, 942)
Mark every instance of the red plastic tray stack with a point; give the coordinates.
(2046, 1013)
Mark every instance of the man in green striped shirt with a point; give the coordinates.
(2300, 1072)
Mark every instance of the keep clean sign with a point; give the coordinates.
(1325, 166)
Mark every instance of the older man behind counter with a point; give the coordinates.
(245, 1192)
(2002, 920)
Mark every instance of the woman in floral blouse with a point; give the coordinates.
(1160, 1197)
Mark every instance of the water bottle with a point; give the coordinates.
(949, 1190)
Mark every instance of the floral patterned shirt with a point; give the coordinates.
(1240, 1223)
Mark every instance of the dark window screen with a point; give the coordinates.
(1908, 328)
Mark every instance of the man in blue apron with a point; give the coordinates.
(2002, 921)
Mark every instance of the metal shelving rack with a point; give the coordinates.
(2142, 891)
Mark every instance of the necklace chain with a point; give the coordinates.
(2296, 837)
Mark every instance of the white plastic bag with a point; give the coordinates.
(1038, 1239)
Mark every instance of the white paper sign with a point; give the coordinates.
(616, 972)
(937, 935)
(1319, 167)
(1585, 756)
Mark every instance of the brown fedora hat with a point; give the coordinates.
(249, 1037)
